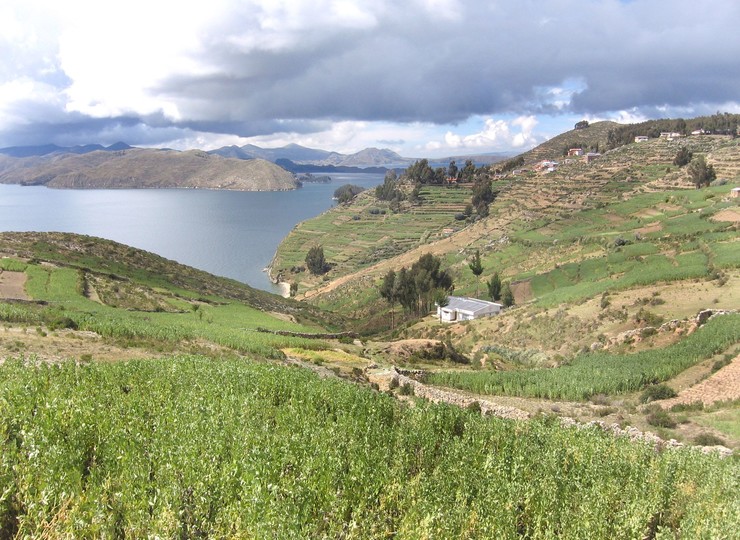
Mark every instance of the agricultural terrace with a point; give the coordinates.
(649, 238)
(195, 447)
(131, 313)
(601, 372)
(367, 230)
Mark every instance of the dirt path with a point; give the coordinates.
(12, 285)
(722, 386)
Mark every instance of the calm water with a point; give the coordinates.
(227, 233)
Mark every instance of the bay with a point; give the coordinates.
(228, 233)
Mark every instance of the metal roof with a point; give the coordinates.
(471, 305)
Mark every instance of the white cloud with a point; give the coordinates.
(496, 135)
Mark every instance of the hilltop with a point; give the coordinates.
(144, 168)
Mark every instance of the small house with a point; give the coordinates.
(575, 152)
(735, 193)
(591, 156)
(641, 138)
(460, 308)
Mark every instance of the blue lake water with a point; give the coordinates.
(227, 233)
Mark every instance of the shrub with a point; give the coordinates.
(719, 364)
(657, 392)
(407, 389)
(660, 418)
(474, 406)
(393, 384)
(693, 406)
(707, 439)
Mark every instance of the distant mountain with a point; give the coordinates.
(145, 168)
(300, 155)
(293, 152)
(46, 149)
(301, 159)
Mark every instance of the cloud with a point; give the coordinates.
(286, 69)
(496, 135)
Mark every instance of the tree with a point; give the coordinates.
(507, 297)
(468, 172)
(293, 289)
(347, 192)
(483, 195)
(388, 190)
(583, 124)
(442, 299)
(389, 291)
(476, 266)
(417, 287)
(683, 157)
(700, 173)
(494, 287)
(315, 261)
(452, 169)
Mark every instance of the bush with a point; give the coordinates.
(719, 364)
(657, 392)
(407, 389)
(660, 418)
(707, 439)
(474, 407)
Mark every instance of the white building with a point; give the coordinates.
(466, 309)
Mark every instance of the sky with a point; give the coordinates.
(425, 78)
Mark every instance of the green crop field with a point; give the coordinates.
(193, 447)
(601, 373)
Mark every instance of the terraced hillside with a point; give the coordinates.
(366, 231)
(526, 201)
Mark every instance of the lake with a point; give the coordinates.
(227, 233)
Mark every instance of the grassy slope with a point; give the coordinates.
(134, 297)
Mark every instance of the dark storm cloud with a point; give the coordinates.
(495, 58)
(268, 67)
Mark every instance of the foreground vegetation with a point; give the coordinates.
(197, 447)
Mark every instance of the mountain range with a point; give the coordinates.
(294, 157)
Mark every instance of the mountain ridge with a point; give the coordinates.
(145, 168)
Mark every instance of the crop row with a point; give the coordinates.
(602, 373)
(192, 447)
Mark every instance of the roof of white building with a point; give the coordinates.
(471, 305)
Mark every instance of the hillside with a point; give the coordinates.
(140, 398)
(145, 168)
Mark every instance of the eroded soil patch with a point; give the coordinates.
(13, 285)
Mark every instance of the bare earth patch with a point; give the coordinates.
(722, 386)
(731, 215)
(12, 285)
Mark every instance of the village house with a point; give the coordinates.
(547, 166)
(735, 193)
(641, 138)
(591, 156)
(460, 308)
(575, 152)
